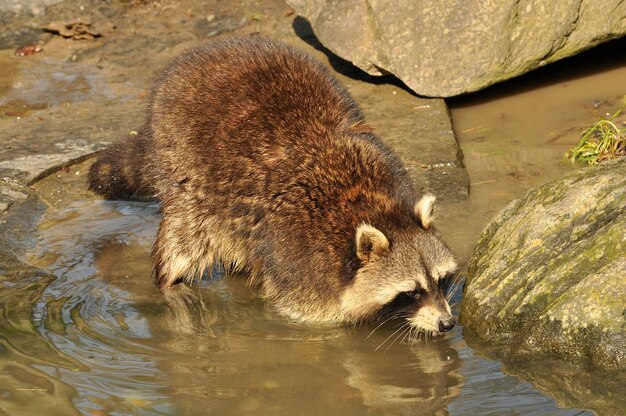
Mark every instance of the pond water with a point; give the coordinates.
(86, 331)
(97, 333)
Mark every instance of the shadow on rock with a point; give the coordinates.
(304, 31)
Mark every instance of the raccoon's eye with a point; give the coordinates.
(408, 298)
(404, 299)
(401, 305)
(414, 294)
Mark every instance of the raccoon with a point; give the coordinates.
(265, 164)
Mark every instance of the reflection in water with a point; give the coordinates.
(420, 382)
(602, 392)
(100, 338)
(91, 321)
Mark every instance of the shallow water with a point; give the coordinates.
(513, 136)
(96, 337)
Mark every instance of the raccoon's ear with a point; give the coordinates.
(370, 242)
(424, 209)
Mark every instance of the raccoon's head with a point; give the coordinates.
(404, 275)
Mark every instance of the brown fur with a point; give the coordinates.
(120, 171)
(263, 162)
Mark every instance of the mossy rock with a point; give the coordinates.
(548, 275)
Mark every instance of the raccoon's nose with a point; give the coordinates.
(446, 324)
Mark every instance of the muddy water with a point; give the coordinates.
(513, 136)
(85, 331)
(122, 346)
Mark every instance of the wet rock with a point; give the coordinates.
(8, 195)
(34, 7)
(548, 275)
(39, 165)
(449, 48)
(22, 36)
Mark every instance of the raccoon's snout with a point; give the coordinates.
(446, 324)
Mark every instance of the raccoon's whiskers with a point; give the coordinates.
(418, 335)
(414, 334)
(379, 325)
(454, 288)
(407, 334)
(453, 292)
(399, 335)
(387, 339)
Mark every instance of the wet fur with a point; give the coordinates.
(264, 163)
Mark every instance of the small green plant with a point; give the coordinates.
(604, 140)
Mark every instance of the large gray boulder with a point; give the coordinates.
(445, 48)
(548, 275)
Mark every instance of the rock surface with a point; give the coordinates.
(548, 275)
(446, 48)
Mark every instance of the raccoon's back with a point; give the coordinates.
(245, 109)
(251, 85)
